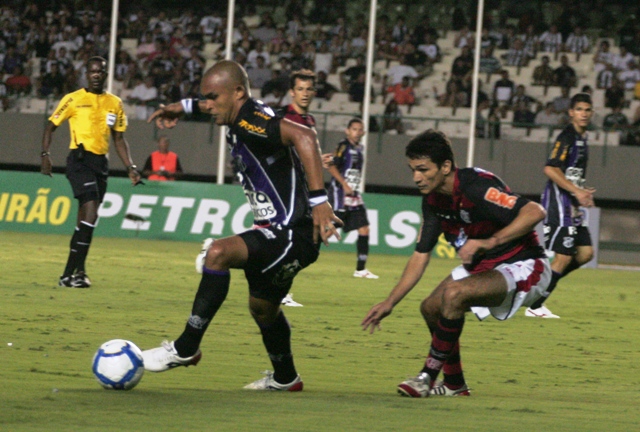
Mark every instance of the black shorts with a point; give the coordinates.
(565, 239)
(275, 257)
(87, 173)
(353, 218)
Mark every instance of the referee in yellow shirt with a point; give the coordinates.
(93, 115)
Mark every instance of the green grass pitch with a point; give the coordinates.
(578, 373)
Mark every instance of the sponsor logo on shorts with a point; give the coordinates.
(286, 273)
(267, 233)
(251, 128)
(567, 242)
(502, 199)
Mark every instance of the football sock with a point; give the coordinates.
(452, 369)
(277, 340)
(555, 277)
(573, 265)
(212, 292)
(73, 254)
(443, 343)
(363, 251)
(83, 242)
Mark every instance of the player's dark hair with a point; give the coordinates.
(580, 97)
(97, 59)
(354, 120)
(431, 144)
(303, 75)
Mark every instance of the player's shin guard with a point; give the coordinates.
(277, 340)
(443, 343)
(212, 292)
(362, 247)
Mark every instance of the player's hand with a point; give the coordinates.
(327, 160)
(134, 176)
(166, 116)
(474, 248)
(377, 313)
(585, 197)
(45, 166)
(347, 190)
(324, 223)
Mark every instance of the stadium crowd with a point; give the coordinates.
(161, 56)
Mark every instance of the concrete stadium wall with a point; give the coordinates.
(614, 171)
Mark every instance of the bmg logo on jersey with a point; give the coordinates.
(502, 199)
(256, 130)
(261, 205)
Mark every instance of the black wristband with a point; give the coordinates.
(317, 193)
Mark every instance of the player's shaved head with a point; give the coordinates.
(228, 72)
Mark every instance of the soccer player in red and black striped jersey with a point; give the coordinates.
(302, 91)
(503, 265)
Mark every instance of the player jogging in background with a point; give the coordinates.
(279, 165)
(345, 167)
(565, 227)
(503, 265)
(94, 115)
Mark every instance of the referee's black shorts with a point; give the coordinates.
(87, 173)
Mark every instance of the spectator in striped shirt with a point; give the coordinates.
(578, 42)
(550, 41)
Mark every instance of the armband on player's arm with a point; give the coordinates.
(190, 106)
(317, 197)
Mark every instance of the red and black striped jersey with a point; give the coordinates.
(481, 205)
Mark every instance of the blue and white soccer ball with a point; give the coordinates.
(118, 365)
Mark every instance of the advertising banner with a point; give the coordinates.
(185, 211)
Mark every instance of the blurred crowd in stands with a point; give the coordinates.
(161, 56)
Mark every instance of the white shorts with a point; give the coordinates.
(526, 282)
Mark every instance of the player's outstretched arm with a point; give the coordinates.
(411, 275)
(166, 116)
(307, 147)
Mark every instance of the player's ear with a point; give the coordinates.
(446, 167)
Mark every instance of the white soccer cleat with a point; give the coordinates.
(365, 274)
(268, 383)
(203, 253)
(166, 357)
(541, 312)
(440, 389)
(288, 301)
(417, 387)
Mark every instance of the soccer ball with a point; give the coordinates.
(118, 365)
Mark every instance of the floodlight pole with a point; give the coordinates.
(111, 65)
(366, 102)
(474, 85)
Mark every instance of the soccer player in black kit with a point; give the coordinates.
(286, 192)
(565, 227)
(503, 265)
(345, 166)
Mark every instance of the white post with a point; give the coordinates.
(367, 87)
(222, 145)
(111, 64)
(474, 95)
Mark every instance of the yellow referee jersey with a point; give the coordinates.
(91, 118)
